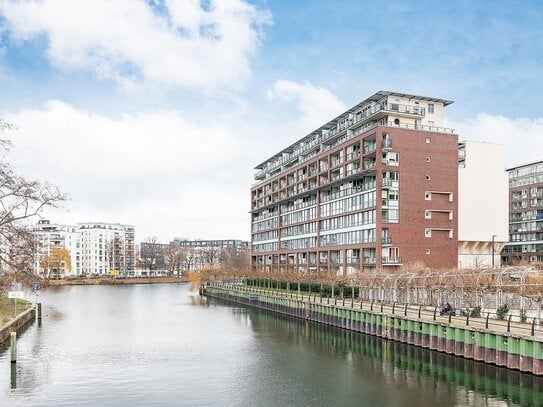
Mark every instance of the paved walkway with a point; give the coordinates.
(426, 313)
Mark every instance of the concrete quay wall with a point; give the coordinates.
(510, 350)
(16, 324)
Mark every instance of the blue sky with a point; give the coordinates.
(154, 113)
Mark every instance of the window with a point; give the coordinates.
(428, 251)
(430, 108)
(428, 196)
(397, 122)
(428, 159)
(427, 232)
(427, 214)
(428, 177)
(428, 140)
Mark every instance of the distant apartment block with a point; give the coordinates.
(209, 252)
(376, 187)
(94, 249)
(525, 214)
(53, 241)
(482, 204)
(107, 248)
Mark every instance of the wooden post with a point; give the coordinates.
(39, 311)
(13, 346)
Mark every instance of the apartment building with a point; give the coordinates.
(376, 187)
(58, 249)
(208, 252)
(525, 214)
(107, 248)
(482, 204)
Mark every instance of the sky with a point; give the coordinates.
(154, 113)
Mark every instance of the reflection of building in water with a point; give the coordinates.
(456, 381)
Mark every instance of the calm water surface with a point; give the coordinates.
(162, 345)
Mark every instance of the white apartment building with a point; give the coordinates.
(51, 236)
(483, 204)
(107, 248)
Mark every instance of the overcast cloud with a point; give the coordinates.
(234, 82)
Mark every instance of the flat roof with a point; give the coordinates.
(377, 96)
(525, 165)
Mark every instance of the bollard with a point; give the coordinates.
(371, 306)
(39, 311)
(13, 345)
(382, 304)
(435, 310)
(467, 318)
(393, 307)
(420, 308)
(509, 324)
(487, 316)
(450, 316)
(533, 326)
(352, 302)
(361, 302)
(14, 375)
(405, 311)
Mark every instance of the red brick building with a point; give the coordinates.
(375, 187)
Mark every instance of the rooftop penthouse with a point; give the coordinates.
(384, 108)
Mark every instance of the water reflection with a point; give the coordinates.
(164, 345)
(397, 365)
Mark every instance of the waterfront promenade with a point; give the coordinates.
(502, 342)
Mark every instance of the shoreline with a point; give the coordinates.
(118, 281)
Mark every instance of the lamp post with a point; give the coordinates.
(493, 250)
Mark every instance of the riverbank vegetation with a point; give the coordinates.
(517, 288)
(9, 308)
(118, 281)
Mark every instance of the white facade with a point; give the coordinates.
(483, 204)
(51, 236)
(107, 248)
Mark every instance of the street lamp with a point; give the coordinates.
(493, 250)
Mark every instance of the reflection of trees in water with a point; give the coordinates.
(399, 364)
(199, 301)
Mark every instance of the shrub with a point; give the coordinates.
(475, 312)
(502, 311)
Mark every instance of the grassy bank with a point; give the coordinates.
(117, 281)
(7, 308)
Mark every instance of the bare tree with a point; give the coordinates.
(190, 256)
(20, 201)
(211, 254)
(174, 257)
(152, 254)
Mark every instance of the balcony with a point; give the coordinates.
(387, 145)
(386, 241)
(353, 155)
(387, 183)
(369, 261)
(391, 261)
(369, 166)
(370, 148)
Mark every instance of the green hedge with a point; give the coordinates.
(315, 288)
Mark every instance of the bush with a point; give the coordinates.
(475, 312)
(502, 311)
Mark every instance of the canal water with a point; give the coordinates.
(163, 345)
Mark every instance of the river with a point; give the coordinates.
(163, 345)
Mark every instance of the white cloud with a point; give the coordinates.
(157, 171)
(317, 105)
(522, 138)
(176, 43)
